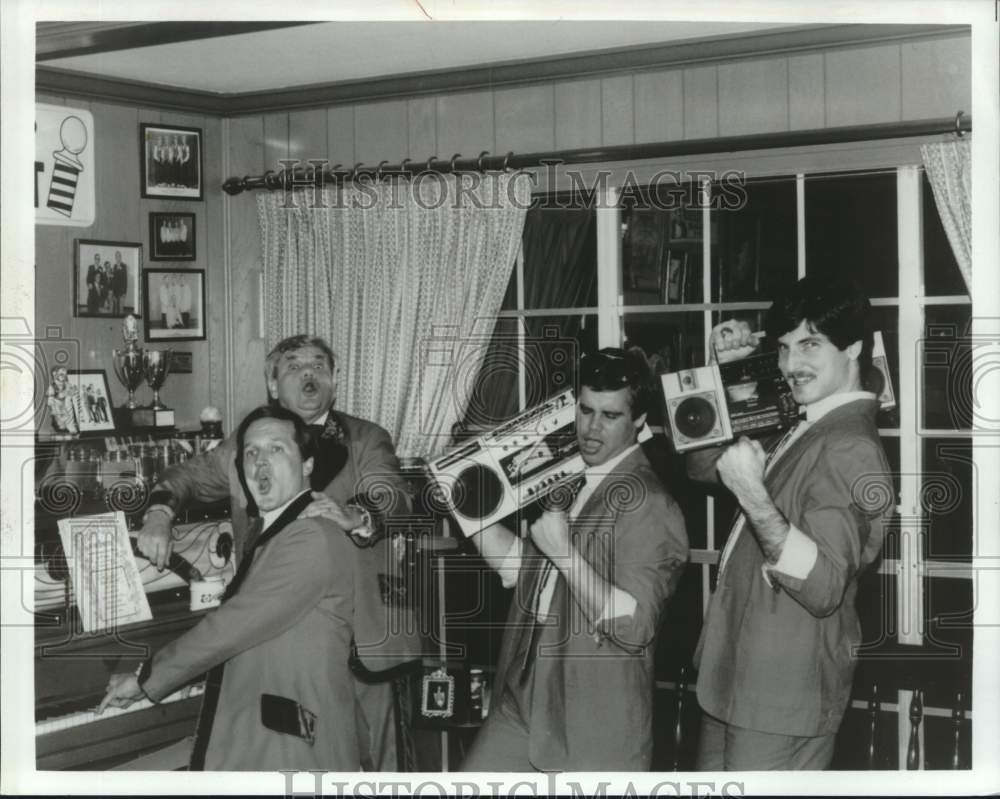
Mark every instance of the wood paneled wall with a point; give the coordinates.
(122, 215)
(838, 86)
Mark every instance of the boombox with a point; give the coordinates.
(714, 404)
(500, 472)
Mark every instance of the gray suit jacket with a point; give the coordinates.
(781, 661)
(591, 698)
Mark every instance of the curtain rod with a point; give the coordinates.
(317, 175)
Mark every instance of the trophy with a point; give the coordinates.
(156, 365)
(128, 365)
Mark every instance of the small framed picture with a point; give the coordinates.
(175, 304)
(170, 162)
(171, 237)
(438, 695)
(106, 278)
(80, 399)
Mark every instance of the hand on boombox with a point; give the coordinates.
(732, 340)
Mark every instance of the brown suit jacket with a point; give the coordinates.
(781, 661)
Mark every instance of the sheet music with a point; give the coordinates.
(103, 571)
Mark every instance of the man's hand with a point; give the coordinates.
(155, 540)
(551, 535)
(346, 517)
(731, 341)
(123, 690)
(741, 469)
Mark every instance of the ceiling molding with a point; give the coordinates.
(619, 60)
(64, 39)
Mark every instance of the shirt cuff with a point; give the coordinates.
(619, 604)
(798, 556)
(511, 564)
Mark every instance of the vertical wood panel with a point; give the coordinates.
(465, 124)
(659, 106)
(275, 139)
(246, 158)
(381, 131)
(525, 119)
(421, 119)
(863, 85)
(753, 97)
(340, 135)
(618, 121)
(806, 92)
(936, 77)
(578, 114)
(701, 103)
(307, 134)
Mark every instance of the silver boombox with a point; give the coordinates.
(523, 460)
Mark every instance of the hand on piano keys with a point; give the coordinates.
(123, 690)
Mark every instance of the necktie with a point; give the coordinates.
(562, 498)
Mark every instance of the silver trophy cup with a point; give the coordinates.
(156, 365)
(128, 363)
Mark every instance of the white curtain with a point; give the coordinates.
(405, 280)
(949, 169)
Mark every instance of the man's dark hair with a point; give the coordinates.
(300, 435)
(833, 306)
(291, 344)
(612, 369)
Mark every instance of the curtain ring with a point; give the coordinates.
(378, 170)
(454, 158)
(265, 179)
(430, 163)
(357, 168)
(403, 166)
(479, 163)
(958, 124)
(506, 160)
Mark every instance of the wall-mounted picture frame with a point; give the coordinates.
(174, 304)
(170, 162)
(106, 278)
(87, 393)
(171, 236)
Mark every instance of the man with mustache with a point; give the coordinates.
(574, 682)
(775, 659)
(356, 483)
(281, 693)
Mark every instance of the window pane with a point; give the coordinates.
(946, 497)
(948, 604)
(662, 234)
(755, 252)
(552, 350)
(560, 254)
(851, 229)
(949, 401)
(941, 272)
(886, 321)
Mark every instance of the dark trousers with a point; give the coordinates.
(725, 747)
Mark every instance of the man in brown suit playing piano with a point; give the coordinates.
(278, 646)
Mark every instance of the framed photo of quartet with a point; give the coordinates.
(170, 162)
(171, 237)
(106, 278)
(79, 401)
(175, 304)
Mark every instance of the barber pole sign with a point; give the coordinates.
(64, 166)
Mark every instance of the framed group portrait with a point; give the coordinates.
(171, 236)
(106, 278)
(174, 304)
(170, 162)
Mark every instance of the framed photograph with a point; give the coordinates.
(79, 401)
(171, 237)
(175, 304)
(106, 278)
(438, 695)
(170, 162)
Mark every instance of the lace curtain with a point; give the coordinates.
(399, 277)
(949, 170)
